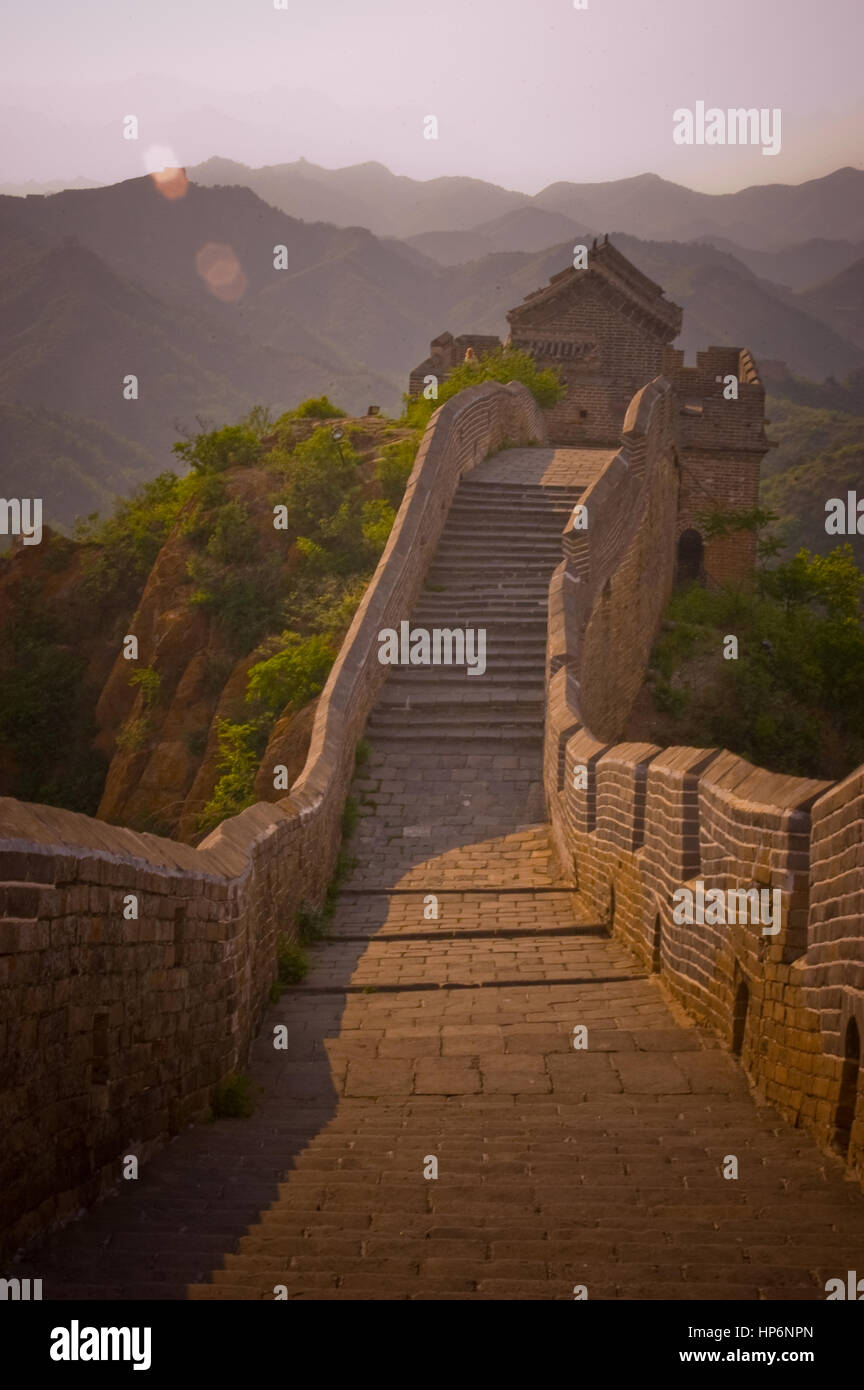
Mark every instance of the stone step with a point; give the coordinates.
(510, 524)
(467, 533)
(520, 626)
(493, 579)
(535, 566)
(450, 610)
(512, 592)
(490, 706)
(517, 496)
(543, 516)
(468, 482)
(517, 659)
(428, 732)
(514, 503)
(501, 549)
(503, 675)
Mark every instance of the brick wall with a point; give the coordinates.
(113, 1031)
(649, 821)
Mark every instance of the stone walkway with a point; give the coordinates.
(449, 1037)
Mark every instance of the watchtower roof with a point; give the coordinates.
(607, 264)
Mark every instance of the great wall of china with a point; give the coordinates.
(416, 1037)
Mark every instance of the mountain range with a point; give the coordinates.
(765, 217)
(97, 284)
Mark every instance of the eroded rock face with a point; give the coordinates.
(287, 747)
(163, 745)
(150, 750)
(227, 704)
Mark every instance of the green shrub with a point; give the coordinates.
(233, 537)
(292, 961)
(504, 364)
(240, 750)
(311, 923)
(378, 517)
(793, 700)
(295, 673)
(233, 1098)
(320, 480)
(213, 452)
(393, 469)
(126, 544)
(316, 559)
(327, 605)
(134, 734)
(315, 408)
(245, 602)
(149, 682)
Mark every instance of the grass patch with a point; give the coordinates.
(292, 962)
(311, 923)
(233, 1098)
(350, 817)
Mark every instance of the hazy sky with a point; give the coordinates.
(526, 92)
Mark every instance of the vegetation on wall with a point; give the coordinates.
(504, 364)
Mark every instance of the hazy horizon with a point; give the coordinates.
(524, 95)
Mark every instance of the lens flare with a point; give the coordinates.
(221, 271)
(168, 178)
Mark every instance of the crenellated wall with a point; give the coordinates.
(633, 823)
(115, 1027)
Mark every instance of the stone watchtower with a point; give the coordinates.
(609, 330)
(722, 442)
(606, 328)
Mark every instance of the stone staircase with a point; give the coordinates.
(491, 571)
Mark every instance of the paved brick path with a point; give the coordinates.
(415, 1037)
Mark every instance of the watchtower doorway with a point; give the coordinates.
(691, 557)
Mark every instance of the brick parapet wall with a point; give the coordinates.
(603, 616)
(648, 821)
(114, 1031)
